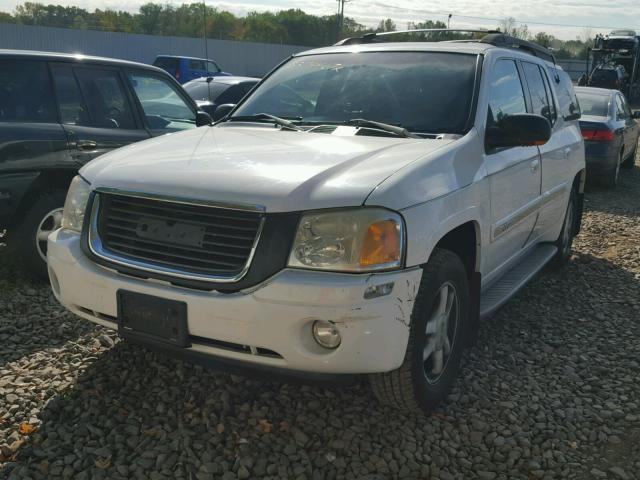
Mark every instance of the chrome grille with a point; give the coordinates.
(175, 238)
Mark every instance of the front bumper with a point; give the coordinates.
(268, 325)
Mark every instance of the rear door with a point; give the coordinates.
(557, 155)
(95, 109)
(514, 173)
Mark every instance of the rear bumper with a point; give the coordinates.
(274, 316)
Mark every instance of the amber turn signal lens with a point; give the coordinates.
(381, 244)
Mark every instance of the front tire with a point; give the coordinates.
(438, 334)
(42, 218)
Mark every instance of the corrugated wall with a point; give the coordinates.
(575, 68)
(240, 58)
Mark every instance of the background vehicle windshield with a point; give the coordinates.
(593, 104)
(427, 92)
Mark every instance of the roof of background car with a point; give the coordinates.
(182, 56)
(74, 57)
(231, 80)
(595, 90)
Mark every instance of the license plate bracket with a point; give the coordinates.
(142, 316)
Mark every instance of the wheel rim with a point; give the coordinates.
(50, 222)
(440, 332)
(568, 227)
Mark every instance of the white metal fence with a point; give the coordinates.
(240, 58)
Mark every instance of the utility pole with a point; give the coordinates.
(341, 13)
(449, 20)
(204, 30)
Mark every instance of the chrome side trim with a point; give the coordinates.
(97, 248)
(183, 200)
(514, 218)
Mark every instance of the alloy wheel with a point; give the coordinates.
(440, 332)
(51, 222)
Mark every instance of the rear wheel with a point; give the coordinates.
(43, 217)
(565, 240)
(438, 334)
(630, 162)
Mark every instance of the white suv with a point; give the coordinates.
(357, 213)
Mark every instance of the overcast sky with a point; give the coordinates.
(597, 13)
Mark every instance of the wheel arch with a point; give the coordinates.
(47, 180)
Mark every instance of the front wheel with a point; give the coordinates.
(438, 334)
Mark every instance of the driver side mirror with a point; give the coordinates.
(222, 111)
(203, 118)
(636, 114)
(518, 130)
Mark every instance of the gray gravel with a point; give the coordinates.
(551, 390)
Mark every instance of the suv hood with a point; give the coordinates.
(261, 165)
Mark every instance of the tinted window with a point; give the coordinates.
(25, 92)
(105, 98)
(196, 65)
(539, 90)
(593, 104)
(72, 108)
(506, 96)
(566, 96)
(164, 109)
(422, 91)
(166, 63)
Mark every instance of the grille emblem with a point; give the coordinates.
(169, 231)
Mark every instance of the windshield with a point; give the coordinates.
(593, 104)
(428, 92)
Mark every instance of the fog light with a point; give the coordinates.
(326, 334)
(378, 290)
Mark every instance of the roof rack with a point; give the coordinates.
(374, 37)
(492, 37)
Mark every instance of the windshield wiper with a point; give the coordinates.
(284, 123)
(400, 131)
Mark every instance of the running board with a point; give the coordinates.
(516, 278)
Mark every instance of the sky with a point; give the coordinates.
(601, 15)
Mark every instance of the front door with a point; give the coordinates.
(514, 175)
(95, 109)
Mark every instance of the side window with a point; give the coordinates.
(622, 115)
(72, 108)
(105, 98)
(506, 96)
(163, 108)
(26, 94)
(538, 90)
(627, 109)
(196, 65)
(212, 67)
(552, 105)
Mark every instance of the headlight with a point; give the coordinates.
(349, 240)
(75, 204)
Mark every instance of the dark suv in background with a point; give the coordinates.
(59, 111)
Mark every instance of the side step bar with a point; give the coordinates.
(516, 278)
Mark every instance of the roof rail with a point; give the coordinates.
(375, 37)
(492, 37)
(507, 41)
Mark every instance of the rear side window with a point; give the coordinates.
(166, 63)
(105, 97)
(506, 96)
(196, 65)
(26, 94)
(539, 88)
(569, 106)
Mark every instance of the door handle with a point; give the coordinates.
(86, 145)
(534, 165)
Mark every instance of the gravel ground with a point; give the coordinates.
(550, 391)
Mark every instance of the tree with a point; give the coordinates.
(387, 25)
(509, 26)
(544, 39)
